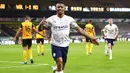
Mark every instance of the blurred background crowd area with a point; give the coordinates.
(12, 13)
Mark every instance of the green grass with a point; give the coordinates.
(11, 60)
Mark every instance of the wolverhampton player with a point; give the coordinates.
(26, 28)
(91, 32)
(40, 39)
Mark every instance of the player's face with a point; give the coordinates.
(28, 19)
(60, 8)
(110, 21)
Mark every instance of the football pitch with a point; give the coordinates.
(11, 59)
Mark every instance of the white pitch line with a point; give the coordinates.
(9, 62)
(35, 64)
(20, 66)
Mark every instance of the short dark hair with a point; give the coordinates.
(60, 2)
(89, 21)
(27, 17)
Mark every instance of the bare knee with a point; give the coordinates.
(109, 45)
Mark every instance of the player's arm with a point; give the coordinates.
(37, 31)
(44, 32)
(82, 32)
(49, 37)
(18, 32)
(105, 30)
(116, 32)
(102, 34)
(35, 34)
(94, 32)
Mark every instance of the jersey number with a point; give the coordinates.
(27, 28)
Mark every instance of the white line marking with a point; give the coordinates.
(35, 64)
(20, 66)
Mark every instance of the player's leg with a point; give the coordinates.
(57, 55)
(106, 50)
(64, 55)
(110, 50)
(110, 43)
(106, 47)
(42, 46)
(30, 50)
(59, 62)
(24, 45)
(38, 46)
(91, 47)
(87, 45)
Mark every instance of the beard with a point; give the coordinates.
(60, 13)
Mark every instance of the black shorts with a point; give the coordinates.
(26, 42)
(88, 39)
(40, 40)
(59, 52)
(111, 41)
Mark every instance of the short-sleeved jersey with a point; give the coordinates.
(26, 30)
(89, 29)
(110, 31)
(41, 32)
(60, 29)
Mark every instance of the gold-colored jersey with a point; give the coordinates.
(26, 30)
(41, 32)
(89, 29)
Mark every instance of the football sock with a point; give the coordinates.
(106, 49)
(110, 50)
(54, 68)
(30, 53)
(25, 55)
(91, 47)
(42, 48)
(87, 48)
(38, 48)
(59, 72)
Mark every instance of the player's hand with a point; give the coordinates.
(34, 38)
(94, 41)
(116, 38)
(44, 21)
(102, 37)
(14, 39)
(43, 35)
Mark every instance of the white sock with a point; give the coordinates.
(106, 49)
(110, 50)
(54, 68)
(59, 71)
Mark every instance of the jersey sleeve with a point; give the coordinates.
(73, 23)
(105, 28)
(20, 25)
(116, 27)
(49, 22)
